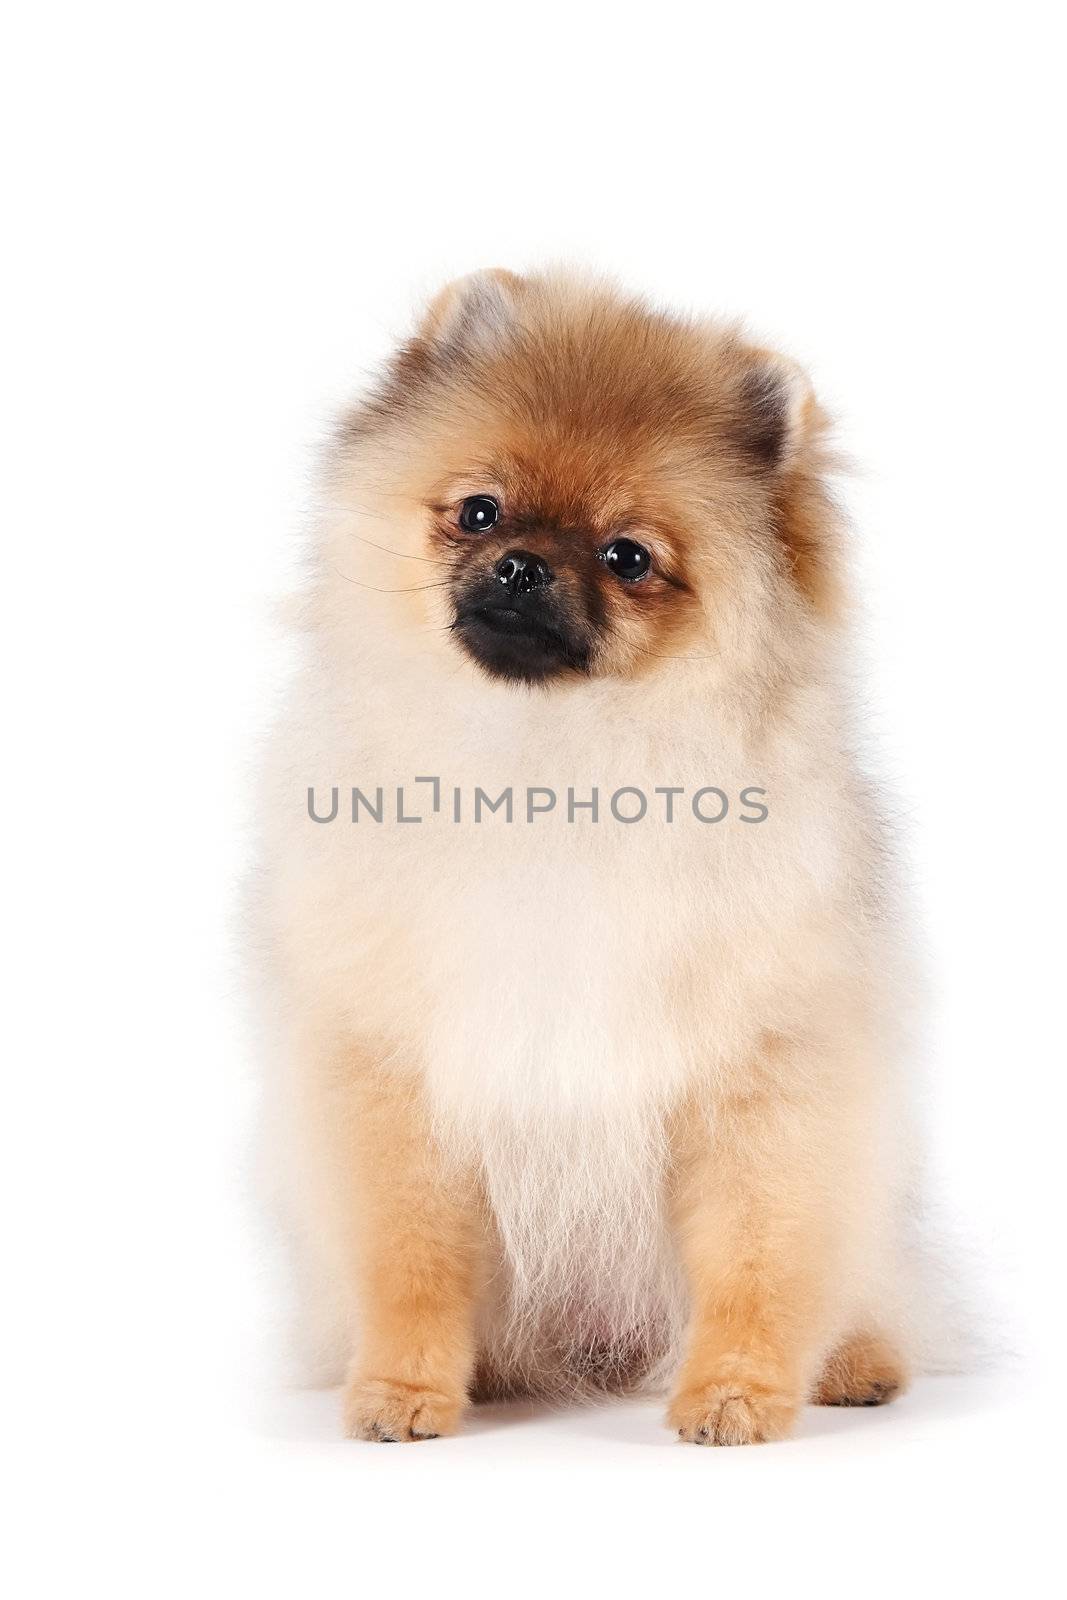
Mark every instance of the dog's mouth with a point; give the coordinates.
(513, 643)
(506, 619)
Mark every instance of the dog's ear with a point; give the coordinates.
(777, 417)
(467, 318)
(780, 428)
(476, 310)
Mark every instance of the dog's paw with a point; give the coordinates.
(863, 1371)
(732, 1413)
(390, 1413)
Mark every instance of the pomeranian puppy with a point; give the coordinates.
(581, 958)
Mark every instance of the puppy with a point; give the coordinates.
(581, 959)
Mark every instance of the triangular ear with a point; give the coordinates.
(777, 421)
(475, 310)
(777, 413)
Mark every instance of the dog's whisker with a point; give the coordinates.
(350, 513)
(340, 514)
(401, 555)
(660, 656)
(413, 588)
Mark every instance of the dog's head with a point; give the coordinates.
(591, 487)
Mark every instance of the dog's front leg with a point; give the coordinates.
(759, 1231)
(412, 1234)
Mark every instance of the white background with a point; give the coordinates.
(218, 218)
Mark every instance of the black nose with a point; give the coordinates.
(519, 572)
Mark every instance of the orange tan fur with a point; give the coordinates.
(416, 1258)
(564, 1107)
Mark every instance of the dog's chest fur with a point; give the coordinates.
(560, 984)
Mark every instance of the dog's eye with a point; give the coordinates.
(627, 559)
(478, 514)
